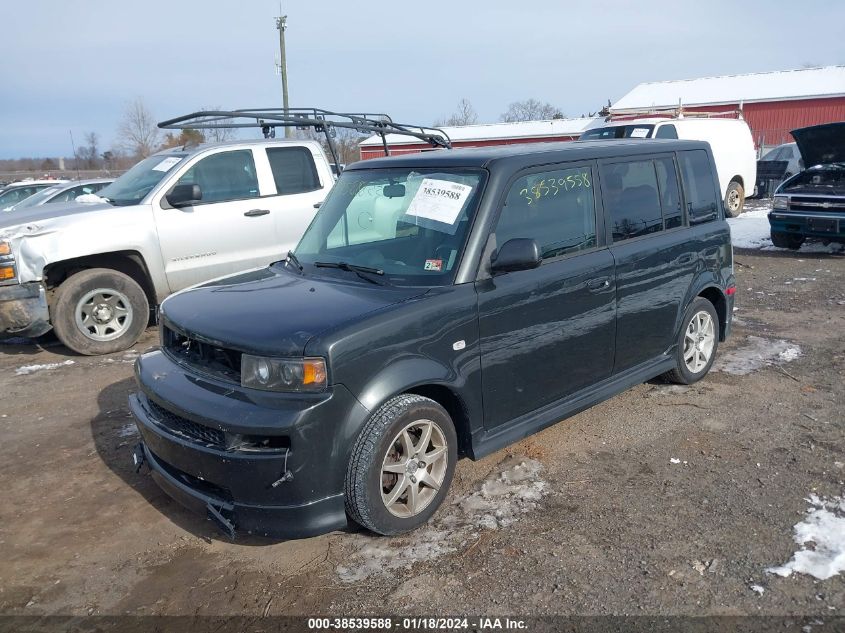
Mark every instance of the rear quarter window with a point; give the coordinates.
(699, 186)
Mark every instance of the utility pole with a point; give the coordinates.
(281, 25)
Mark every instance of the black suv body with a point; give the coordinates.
(406, 332)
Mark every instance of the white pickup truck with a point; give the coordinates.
(95, 273)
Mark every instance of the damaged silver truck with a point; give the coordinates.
(95, 274)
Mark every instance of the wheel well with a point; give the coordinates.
(454, 406)
(715, 296)
(130, 263)
(738, 179)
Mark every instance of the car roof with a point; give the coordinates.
(264, 142)
(530, 153)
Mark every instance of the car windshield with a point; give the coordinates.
(618, 131)
(37, 198)
(135, 184)
(405, 226)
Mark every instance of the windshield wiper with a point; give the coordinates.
(361, 271)
(293, 260)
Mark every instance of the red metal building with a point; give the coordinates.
(773, 103)
(486, 134)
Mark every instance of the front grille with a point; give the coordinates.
(177, 425)
(817, 204)
(204, 357)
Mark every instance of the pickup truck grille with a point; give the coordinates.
(204, 357)
(818, 204)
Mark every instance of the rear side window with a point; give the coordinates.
(666, 131)
(699, 186)
(630, 195)
(555, 208)
(293, 169)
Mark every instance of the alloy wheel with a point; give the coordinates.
(699, 341)
(413, 469)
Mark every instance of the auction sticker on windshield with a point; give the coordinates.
(440, 201)
(639, 132)
(167, 163)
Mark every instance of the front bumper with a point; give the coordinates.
(829, 226)
(23, 311)
(290, 492)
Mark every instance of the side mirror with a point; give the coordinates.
(520, 253)
(183, 195)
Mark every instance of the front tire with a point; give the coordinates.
(697, 343)
(401, 466)
(100, 311)
(734, 199)
(787, 240)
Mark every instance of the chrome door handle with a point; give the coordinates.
(256, 212)
(598, 284)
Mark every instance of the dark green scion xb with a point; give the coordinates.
(441, 305)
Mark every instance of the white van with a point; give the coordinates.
(730, 140)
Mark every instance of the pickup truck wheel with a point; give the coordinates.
(100, 311)
(734, 199)
(787, 240)
(697, 343)
(401, 466)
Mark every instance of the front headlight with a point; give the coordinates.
(283, 374)
(780, 202)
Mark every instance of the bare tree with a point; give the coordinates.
(137, 131)
(219, 134)
(530, 110)
(464, 115)
(88, 155)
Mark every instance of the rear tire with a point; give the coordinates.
(401, 466)
(100, 311)
(734, 199)
(787, 240)
(698, 341)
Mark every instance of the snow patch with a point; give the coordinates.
(514, 489)
(757, 353)
(823, 528)
(31, 369)
(757, 589)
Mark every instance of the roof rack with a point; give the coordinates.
(674, 112)
(325, 121)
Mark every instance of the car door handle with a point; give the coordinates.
(252, 213)
(595, 285)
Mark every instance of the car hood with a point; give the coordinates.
(821, 144)
(47, 212)
(274, 312)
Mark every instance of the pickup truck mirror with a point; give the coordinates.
(183, 195)
(520, 253)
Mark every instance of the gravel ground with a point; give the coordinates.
(663, 500)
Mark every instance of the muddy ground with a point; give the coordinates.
(663, 500)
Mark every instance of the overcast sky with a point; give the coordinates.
(74, 65)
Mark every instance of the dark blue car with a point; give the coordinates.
(811, 204)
